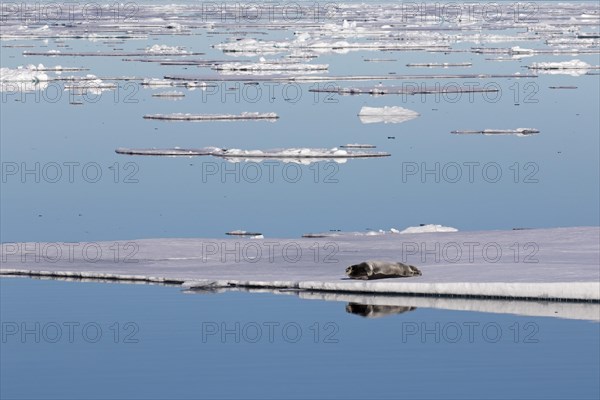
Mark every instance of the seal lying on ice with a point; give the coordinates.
(381, 269)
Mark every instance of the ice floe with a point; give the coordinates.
(296, 155)
(245, 116)
(516, 132)
(357, 146)
(423, 228)
(241, 233)
(388, 115)
(158, 83)
(271, 66)
(169, 94)
(90, 84)
(440, 65)
(23, 78)
(408, 89)
(563, 266)
(573, 67)
(27, 73)
(176, 151)
(164, 49)
(292, 155)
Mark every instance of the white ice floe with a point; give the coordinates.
(23, 78)
(296, 155)
(559, 263)
(291, 155)
(174, 152)
(521, 50)
(516, 132)
(270, 116)
(357, 146)
(241, 233)
(91, 84)
(441, 65)
(429, 228)
(302, 152)
(391, 115)
(154, 82)
(317, 45)
(164, 49)
(27, 73)
(158, 83)
(169, 94)
(573, 67)
(573, 64)
(270, 66)
(338, 233)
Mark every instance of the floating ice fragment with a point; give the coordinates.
(392, 115)
(573, 67)
(428, 229)
(295, 155)
(23, 78)
(357, 146)
(213, 117)
(164, 49)
(265, 65)
(253, 235)
(169, 94)
(28, 73)
(443, 65)
(516, 132)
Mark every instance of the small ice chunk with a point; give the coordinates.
(391, 115)
(428, 229)
(164, 49)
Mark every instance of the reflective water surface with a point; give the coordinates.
(98, 340)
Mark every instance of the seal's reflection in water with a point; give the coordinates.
(372, 304)
(376, 311)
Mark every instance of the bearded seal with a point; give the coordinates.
(375, 311)
(381, 269)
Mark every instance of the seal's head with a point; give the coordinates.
(361, 270)
(414, 270)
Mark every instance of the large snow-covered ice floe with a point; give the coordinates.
(550, 268)
(388, 115)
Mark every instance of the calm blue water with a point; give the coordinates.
(547, 180)
(138, 341)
